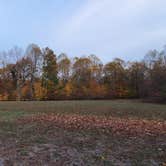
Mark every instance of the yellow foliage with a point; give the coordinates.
(40, 92)
(68, 89)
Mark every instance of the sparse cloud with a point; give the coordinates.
(107, 28)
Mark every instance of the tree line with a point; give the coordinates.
(39, 74)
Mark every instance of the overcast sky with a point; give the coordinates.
(107, 28)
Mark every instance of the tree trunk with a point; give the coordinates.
(19, 95)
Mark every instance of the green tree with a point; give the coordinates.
(50, 72)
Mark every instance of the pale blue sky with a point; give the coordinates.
(107, 28)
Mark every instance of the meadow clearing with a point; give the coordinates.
(107, 132)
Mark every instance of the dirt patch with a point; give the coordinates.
(72, 140)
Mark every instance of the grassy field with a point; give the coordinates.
(116, 132)
(116, 108)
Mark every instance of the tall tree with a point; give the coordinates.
(64, 67)
(136, 78)
(114, 78)
(15, 67)
(81, 75)
(20, 73)
(34, 55)
(156, 74)
(50, 72)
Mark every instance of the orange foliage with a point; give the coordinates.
(40, 92)
(4, 97)
(130, 127)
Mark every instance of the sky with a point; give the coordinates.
(127, 29)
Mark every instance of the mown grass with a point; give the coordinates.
(116, 108)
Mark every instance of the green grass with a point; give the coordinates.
(116, 108)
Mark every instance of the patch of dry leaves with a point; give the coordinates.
(130, 127)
